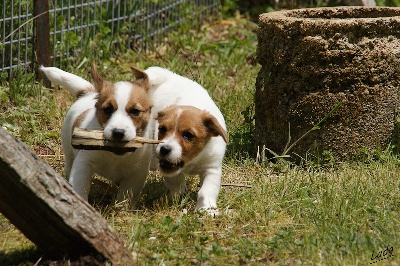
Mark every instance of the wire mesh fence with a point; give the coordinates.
(73, 24)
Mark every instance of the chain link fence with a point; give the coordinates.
(71, 25)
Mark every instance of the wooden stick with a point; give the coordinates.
(235, 185)
(83, 139)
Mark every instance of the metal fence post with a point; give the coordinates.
(42, 40)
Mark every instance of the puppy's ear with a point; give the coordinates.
(160, 115)
(141, 77)
(98, 80)
(214, 127)
(163, 112)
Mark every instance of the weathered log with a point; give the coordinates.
(84, 139)
(43, 205)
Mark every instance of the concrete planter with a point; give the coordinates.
(313, 59)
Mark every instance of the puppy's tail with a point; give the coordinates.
(74, 84)
(157, 75)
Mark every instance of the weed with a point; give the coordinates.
(283, 161)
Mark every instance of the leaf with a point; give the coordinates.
(72, 39)
(104, 29)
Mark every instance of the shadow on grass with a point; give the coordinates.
(241, 139)
(154, 196)
(33, 256)
(27, 256)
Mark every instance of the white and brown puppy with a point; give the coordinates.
(122, 110)
(193, 132)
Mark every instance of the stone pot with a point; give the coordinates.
(314, 59)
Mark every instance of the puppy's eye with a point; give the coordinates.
(162, 130)
(108, 110)
(134, 112)
(188, 136)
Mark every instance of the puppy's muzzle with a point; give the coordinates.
(118, 134)
(165, 150)
(165, 164)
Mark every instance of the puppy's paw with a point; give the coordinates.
(212, 211)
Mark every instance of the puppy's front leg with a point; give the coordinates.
(130, 189)
(176, 184)
(81, 176)
(209, 191)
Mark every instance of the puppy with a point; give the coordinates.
(193, 134)
(122, 111)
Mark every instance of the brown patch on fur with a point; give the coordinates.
(141, 78)
(98, 80)
(85, 91)
(213, 125)
(193, 128)
(79, 119)
(139, 100)
(105, 100)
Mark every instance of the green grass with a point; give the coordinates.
(337, 214)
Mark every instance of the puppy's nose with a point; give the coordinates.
(165, 149)
(118, 133)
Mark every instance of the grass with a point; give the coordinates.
(338, 214)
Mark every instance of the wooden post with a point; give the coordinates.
(42, 39)
(43, 205)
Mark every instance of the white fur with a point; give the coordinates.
(128, 170)
(166, 89)
(71, 82)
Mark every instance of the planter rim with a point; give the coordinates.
(334, 15)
